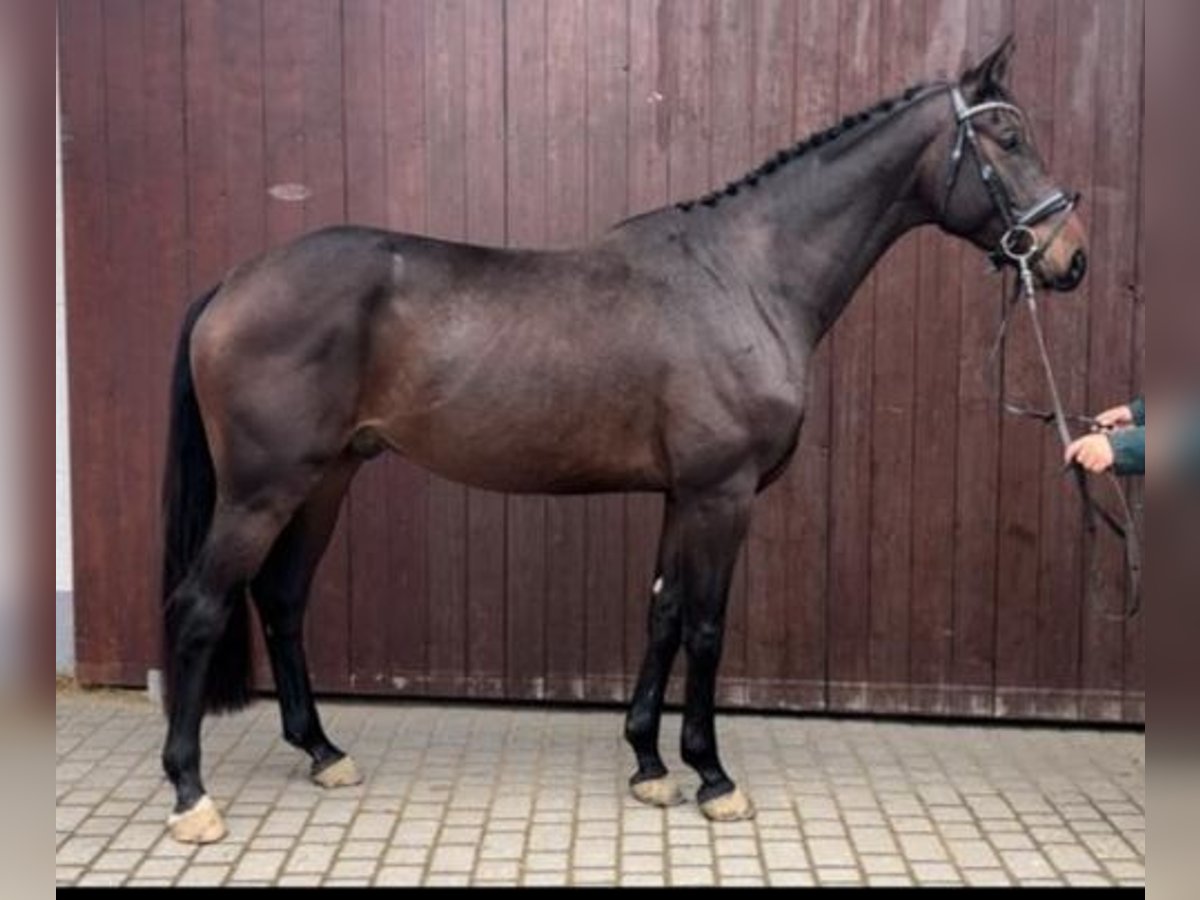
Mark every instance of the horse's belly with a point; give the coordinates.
(525, 454)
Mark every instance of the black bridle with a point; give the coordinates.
(1018, 238)
(1019, 246)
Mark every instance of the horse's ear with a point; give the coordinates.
(990, 77)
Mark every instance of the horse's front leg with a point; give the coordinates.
(651, 784)
(713, 529)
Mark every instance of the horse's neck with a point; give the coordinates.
(834, 217)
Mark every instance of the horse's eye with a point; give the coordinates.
(1011, 143)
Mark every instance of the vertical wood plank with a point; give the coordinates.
(85, 174)
(527, 206)
(647, 189)
(974, 610)
(406, 591)
(163, 178)
(370, 510)
(808, 481)
(893, 407)
(851, 434)
(446, 180)
(1135, 631)
(134, 514)
(731, 129)
(1059, 624)
(1018, 570)
(935, 416)
(302, 62)
(485, 224)
(1113, 254)
(605, 181)
(766, 605)
(568, 535)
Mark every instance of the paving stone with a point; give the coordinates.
(311, 859)
(258, 866)
(831, 852)
(1072, 859)
(890, 864)
(545, 879)
(692, 876)
(498, 870)
(203, 876)
(400, 876)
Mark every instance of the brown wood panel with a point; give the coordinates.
(302, 74)
(816, 104)
(1135, 631)
(728, 112)
(85, 173)
(1067, 327)
(605, 187)
(404, 592)
(1021, 440)
(485, 224)
(526, 55)
(766, 606)
(567, 151)
(938, 316)
(850, 440)
(166, 282)
(1113, 220)
(974, 608)
(648, 133)
(369, 509)
(893, 402)
(446, 218)
(920, 555)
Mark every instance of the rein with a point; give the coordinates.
(1020, 246)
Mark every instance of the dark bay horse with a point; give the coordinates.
(669, 356)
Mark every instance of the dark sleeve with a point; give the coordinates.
(1129, 446)
(1139, 411)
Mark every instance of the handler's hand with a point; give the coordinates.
(1094, 453)
(1120, 417)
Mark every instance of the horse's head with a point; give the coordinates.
(987, 182)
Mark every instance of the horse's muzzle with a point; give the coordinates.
(1073, 277)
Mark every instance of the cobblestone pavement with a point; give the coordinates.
(463, 795)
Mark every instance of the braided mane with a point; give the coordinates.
(790, 154)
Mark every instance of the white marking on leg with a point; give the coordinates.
(658, 586)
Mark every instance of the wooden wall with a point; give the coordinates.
(922, 555)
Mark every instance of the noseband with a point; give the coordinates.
(1019, 244)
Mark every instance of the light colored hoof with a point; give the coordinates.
(732, 807)
(659, 792)
(201, 824)
(343, 773)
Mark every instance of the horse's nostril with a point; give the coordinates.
(1079, 265)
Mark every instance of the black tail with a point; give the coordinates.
(188, 497)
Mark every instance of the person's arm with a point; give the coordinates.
(1129, 447)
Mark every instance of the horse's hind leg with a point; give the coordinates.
(198, 613)
(651, 784)
(280, 591)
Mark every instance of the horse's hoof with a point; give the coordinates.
(343, 773)
(201, 824)
(732, 807)
(659, 792)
